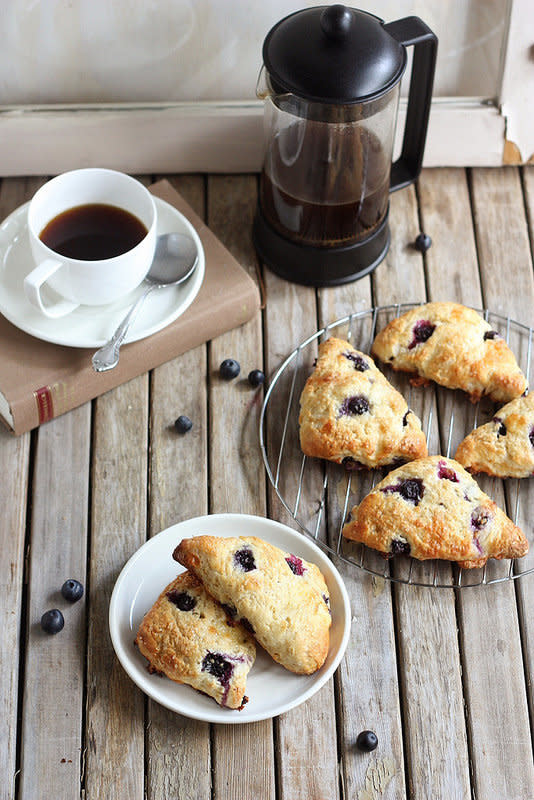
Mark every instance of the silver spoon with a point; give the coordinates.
(175, 260)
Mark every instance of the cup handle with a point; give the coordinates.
(32, 288)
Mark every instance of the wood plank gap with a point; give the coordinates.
(528, 210)
(397, 616)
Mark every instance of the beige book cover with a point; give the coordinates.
(40, 380)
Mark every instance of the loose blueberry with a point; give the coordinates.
(72, 590)
(229, 369)
(183, 424)
(244, 559)
(182, 600)
(400, 548)
(367, 741)
(359, 363)
(410, 489)
(217, 665)
(256, 377)
(479, 518)
(355, 406)
(491, 335)
(501, 430)
(422, 331)
(445, 473)
(295, 565)
(423, 242)
(52, 621)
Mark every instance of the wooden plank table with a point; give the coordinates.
(443, 675)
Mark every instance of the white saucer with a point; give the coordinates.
(271, 689)
(90, 326)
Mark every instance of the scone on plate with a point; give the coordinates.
(433, 508)
(186, 636)
(281, 598)
(454, 346)
(503, 447)
(352, 415)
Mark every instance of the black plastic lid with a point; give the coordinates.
(333, 54)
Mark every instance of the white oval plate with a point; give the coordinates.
(271, 689)
(91, 326)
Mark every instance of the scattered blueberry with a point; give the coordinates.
(423, 242)
(411, 489)
(52, 621)
(245, 559)
(217, 665)
(479, 518)
(295, 565)
(183, 424)
(491, 335)
(356, 405)
(229, 369)
(360, 364)
(422, 331)
(256, 377)
(182, 600)
(405, 419)
(72, 590)
(501, 430)
(351, 465)
(367, 741)
(445, 473)
(400, 548)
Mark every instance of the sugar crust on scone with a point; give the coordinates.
(187, 637)
(281, 598)
(433, 508)
(503, 447)
(350, 413)
(454, 346)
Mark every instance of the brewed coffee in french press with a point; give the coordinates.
(330, 82)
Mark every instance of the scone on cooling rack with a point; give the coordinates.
(454, 346)
(503, 447)
(432, 508)
(352, 415)
(281, 598)
(186, 636)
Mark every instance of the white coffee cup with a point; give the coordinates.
(79, 281)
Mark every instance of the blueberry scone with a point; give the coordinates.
(454, 346)
(433, 508)
(352, 415)
(503, 447)
(186, 636)
(282, 599)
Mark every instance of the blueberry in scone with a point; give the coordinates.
(186, 636)
(503, 447)
(433, 508)
(280, 597)
(352, 415)
(454, 346)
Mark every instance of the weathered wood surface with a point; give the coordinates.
(444, 677)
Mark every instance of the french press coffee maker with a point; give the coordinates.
(330, 80)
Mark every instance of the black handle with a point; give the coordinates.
(413, 31)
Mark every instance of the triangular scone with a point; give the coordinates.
(281, 598)
(503, 447)
(433, 508)
(186, 636)
(352, 415)
(453, 346)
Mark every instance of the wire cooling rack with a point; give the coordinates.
(318, 495)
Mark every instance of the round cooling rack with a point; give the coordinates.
(318, 494)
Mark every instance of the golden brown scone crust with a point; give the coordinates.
(455, 354)
(184, 644)
(503, 447)
(288, 612)
(440, 513)
(386, 433)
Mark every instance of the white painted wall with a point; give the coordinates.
(98, 51)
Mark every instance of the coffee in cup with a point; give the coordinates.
(92, 235)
